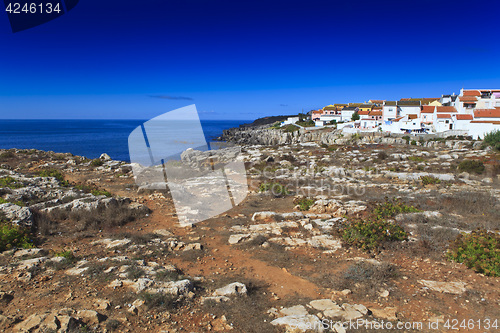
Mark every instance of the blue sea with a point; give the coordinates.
(89, 138)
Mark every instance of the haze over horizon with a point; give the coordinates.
(243, 60)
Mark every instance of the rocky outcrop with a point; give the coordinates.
(274, 137)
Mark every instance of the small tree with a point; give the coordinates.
(355, 116)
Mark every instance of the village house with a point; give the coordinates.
(485, 121)
(347, 112)
(409, 107)
(390, 111)
(427, 114)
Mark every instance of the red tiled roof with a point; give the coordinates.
(487, 113)
(412, 116)
(464, 117)
(445, 109)
(468, 99)
(398, 119)
(472, 93)
(363, 113)
(428, 109)
(485, 122)
(444, 115)
(375, 113)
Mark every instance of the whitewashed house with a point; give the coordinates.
(347, 112)
(461, 121)
(427, 114)
(390, 111)
(409, 107)
(485, 121)
(290, 120)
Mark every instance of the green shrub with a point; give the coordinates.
(65, 254)
(51, 173)
(472, 166)
(276, 189)
(369, 235)
(19, 203)
(479, 250)
(492, 139)
(7, 155)
(290, 128)
(92, 189)
(413, 142)
(304, 203)
(429, 180)
(97, 162)
(416, 159)
(391, 208)
(276, 125)
(406, 138)
(355, 116)
(307, 123)
(14, 236)
(10, 182)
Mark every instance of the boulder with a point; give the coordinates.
(232, 289)
(445, 287)
(20, 216)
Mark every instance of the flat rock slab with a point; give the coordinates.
(297, 310)
(301, 323)
(324, 304)
(445, 287)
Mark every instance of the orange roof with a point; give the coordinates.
(468, 99)
(443, 115)
(472, 93)
(317, 112)
(363, 113)
(375, 113)
(412, 116)
(428, 109)
(487, 113)
(446, 109)
(486, 122)
(398, 119)
(464, 117)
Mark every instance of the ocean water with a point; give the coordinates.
(89, 138)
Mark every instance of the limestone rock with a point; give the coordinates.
(232, 289)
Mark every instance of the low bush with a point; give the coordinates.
(391, 208)
(92, 189)
(51, 173)
(413, 142)
(10, 182)
(492, 139)
(19, 203)
(276, 189)
(97, 162)
(416, 159)
(160, 301)
(479, 250)
(13, 236)
(290, 128)
(472, 166)
(364, 277)
(429, 180)
(304, 203)
(382, 155)
(6, 155)
(369, 235)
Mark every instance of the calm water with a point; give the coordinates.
(89, 138)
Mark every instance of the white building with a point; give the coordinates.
(408, 107)
(389, 111)
(347, 112)
(485, 121)
(290, 120)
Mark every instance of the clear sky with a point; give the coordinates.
(244, 59)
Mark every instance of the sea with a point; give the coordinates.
(89, 138)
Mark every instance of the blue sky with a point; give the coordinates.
(243, 59)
